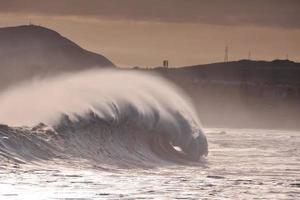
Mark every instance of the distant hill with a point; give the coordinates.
(277, 72)
(31, 50)
(243, 93)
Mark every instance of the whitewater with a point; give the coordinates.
(116, 112)
(118, 134)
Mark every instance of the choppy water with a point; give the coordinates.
(242, 164)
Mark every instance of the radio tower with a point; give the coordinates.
(226, 54)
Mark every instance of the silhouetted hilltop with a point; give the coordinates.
(277, 72)
(34, 50)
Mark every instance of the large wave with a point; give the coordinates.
(108, 116)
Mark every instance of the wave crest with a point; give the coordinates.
(86, 106)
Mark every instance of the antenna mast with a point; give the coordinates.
(249, 55)
(226, 54)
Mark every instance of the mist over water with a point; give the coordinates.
(105, 92)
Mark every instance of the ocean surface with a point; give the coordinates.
(103, 134)
(241, 164)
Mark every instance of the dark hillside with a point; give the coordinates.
(31, 50)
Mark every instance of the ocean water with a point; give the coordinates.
(241, 164)
(128, 135)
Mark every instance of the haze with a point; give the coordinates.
(143, 33)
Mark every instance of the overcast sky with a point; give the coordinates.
(143, 32)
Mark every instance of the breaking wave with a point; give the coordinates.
(105, 116)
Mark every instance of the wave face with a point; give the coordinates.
(112, 117)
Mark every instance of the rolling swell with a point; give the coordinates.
(106, 117)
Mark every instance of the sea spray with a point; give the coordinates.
(83, 107)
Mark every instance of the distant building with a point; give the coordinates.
(166, 63)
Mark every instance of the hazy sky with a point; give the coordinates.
(144, 32)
